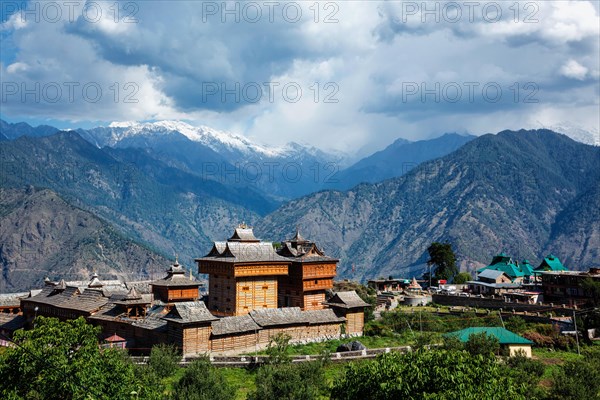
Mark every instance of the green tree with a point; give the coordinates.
(592, 288)
(462, 277)
(528, 371)
(442, 257)
(202, 381)
(429, 374)
(277, 350)
(516, 324)
(305, 380)
(164, 360)
(579, 379)
(482, 344)
(62, 361)
(280, 379)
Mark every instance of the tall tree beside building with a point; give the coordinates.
(442, 257)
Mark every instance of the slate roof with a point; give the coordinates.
(304, 252)
(95, 282)
(240, 252)
(131, 298)
(232, 325)
(11, 322)
(243, 233)
(491, 274)
(176, 277)
(188, 312)
(504, 336)
(70, 298)
(142, 287)
(324, 316)
(12, 299)
(298, 248)
(347, 300)
(152, 321)
(279, 316)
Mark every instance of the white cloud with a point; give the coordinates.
(14, 22)
(368, 56)
(572, 69)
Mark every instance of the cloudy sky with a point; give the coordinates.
(339, 75)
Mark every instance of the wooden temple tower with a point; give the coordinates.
(246, 274)
(243, 274)
(175, 287)
(310, 274)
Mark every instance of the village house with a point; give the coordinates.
(387, 285)
(492, 282)
(504, 263)
(566, 286)
(510, 342)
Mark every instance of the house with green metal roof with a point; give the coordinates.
(527, 269)
(504, 263)
(551, 263)
(508, 340)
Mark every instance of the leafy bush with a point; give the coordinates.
(545, 335)
(164, 360)
(482, 344)
(202, 381)
(280, 379)
(62, 361)
(438, 374)
(579, 379)
(462, 277)
(516, 324)
(290, 381)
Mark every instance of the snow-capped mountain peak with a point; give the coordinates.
(577, 133)
(215, 139)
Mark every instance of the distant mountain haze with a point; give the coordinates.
(396, 160)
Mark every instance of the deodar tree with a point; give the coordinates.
(442, 257)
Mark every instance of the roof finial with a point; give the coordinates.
(176, 259)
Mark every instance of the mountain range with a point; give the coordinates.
(41, 235)
(169, 188)
(525, 193)
(396, 160)
(280, 172)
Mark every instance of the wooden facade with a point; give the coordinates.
(233, 342)
(246, 274)
(175, 287)
(243, 274)
(355, 322)
(310, 276)
(352, 308)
